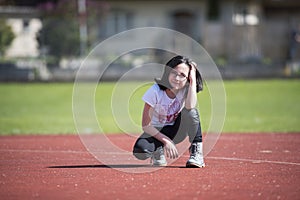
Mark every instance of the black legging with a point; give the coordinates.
(187, 123)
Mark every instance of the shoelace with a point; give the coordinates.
(158, 153)
(195, 150)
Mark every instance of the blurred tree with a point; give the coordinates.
(62, 19)
(60, 32)
(24, 2)
(6, 36)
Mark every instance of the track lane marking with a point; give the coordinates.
(254, 161)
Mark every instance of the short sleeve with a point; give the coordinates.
(150, 96)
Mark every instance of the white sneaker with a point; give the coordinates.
(158, 157)
(196, 156)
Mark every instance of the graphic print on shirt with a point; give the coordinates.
(167, 113)
(164, 110)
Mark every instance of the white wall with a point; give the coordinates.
(25, 43)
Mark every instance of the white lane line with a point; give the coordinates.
(130, 154)
(253, 160)
(41, 151)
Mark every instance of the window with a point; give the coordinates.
(213, 12)
(184, 22)
(243, 16)
(117, 21)
(26, 25)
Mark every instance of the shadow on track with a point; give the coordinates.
(110, 166)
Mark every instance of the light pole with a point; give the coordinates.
(82, 26)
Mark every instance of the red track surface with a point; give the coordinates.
(241, 166)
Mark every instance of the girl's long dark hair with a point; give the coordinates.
(163, 82)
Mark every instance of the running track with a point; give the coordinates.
(240, 166)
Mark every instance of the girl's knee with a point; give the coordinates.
(141, 154)
(191, 114)
(141, 149)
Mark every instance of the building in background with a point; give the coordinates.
(232, 31)
(25, 23)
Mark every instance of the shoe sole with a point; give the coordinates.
(159, 165)
(194, 165)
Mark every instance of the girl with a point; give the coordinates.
(170, 115)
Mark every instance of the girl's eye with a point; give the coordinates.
(175, 74)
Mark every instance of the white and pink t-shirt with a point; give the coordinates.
(165, 109)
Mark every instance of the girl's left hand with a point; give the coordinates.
(192, 76)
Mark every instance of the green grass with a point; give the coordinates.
(252, 106)
(263, 106)
(36, 108)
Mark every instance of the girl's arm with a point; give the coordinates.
(191, 99)
(170, 147)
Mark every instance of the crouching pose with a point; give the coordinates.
(170, 115)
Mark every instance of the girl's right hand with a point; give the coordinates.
(170, 149)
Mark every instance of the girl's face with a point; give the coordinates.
(178, 76)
